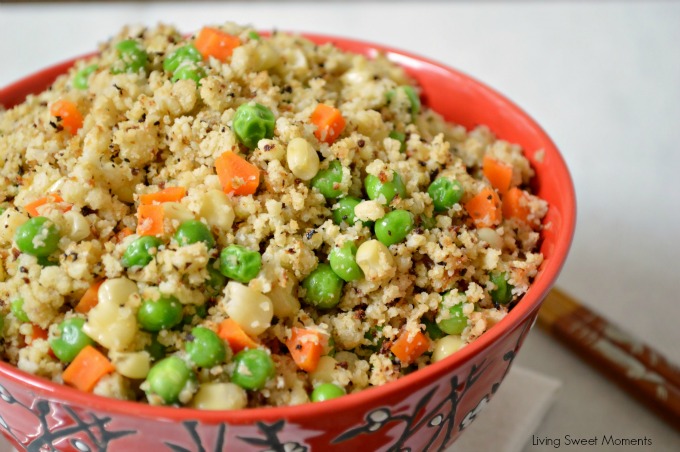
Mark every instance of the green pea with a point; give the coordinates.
(400, 137)
(254, 35)
(331, 346)
(502, 294)
(239, 263)
(155, 349)
(409, 370)
(432, 329)
(345, 210)
(140, 252)
(201, 310)
(456, 321)
(413, 98)
(427, 222)
(372, 335)
(181, 56)
(132, 57)
(156, 315)
(193, 231)
(216, 280)
(189, 72)
(328, 180)
(45, 261)
(343, 262)
(445, 193)
(193, 312)
(205, 348)
(411, 95)
(183, 63)
(252, 369)
(17, 308)
(253, 122)
(376, 189)
(81, 79)
(2, 325)
(38, 237)
(2, 210)
(327, 391)
(167, 378)
(394, 227)
(71, 340)
(323, 288)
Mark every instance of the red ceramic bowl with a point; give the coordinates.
(426, 410)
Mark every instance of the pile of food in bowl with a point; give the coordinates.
(232, 220)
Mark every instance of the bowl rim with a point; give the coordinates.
(527, 307)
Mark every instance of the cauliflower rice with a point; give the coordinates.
(145, 130)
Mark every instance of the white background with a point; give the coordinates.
(603, 79)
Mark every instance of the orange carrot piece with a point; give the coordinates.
(38, 333)
(168, 194)
(485, 208)
(68, 114)
(329, 123)
(52, 198)
(408, 348)
(515, 204)
(125, 232)
(498, 173)
(236, 174)
(306, 347)
(212, 42)
(89, 299)
(237, 339)
(150, 219)
(88, 367)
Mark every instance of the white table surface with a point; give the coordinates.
(603, 79)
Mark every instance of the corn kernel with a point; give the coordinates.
(252, 310)
(302, 159)
(375, 260)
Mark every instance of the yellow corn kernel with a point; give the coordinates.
(285, 303)
(324, 370)
(75, 226)
(265, 56)
(446, 346)
(133, 365)
(176, 211)
(303, 161)
(252, 310)
(111, 322)
(220, 396)
(111, 325)
(375, 260)
(216, 209)
(491, 237)
(116, 290)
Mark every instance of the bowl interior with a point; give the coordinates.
(460, 99)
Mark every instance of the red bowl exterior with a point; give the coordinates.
(426, 410)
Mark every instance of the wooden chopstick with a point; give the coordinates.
(634, 366)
